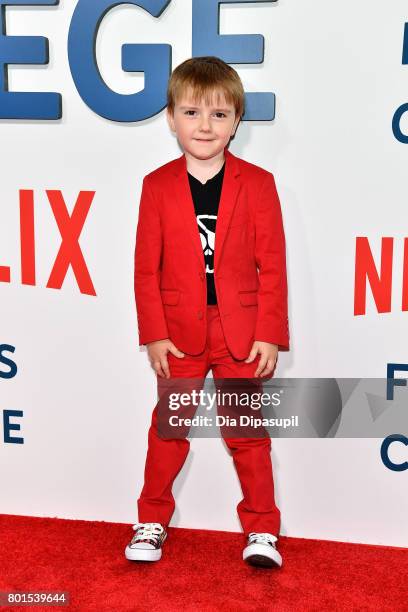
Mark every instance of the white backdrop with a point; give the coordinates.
(86, 388)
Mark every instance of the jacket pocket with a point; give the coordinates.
(248, 298)
(170, 297)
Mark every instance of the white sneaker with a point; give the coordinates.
(146, 544)
(261, 550)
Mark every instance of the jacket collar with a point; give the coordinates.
(229, 193)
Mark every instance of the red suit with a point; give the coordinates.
(171, 300)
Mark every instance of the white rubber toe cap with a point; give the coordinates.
(262, 555)
(143, 554)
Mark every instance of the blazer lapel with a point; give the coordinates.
(229, 192)
(230, 189)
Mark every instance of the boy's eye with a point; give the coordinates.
(219, 114)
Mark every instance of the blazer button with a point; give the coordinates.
(200, 314)
(202, 275)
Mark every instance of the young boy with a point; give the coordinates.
(211, 292)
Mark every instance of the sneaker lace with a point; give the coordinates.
(262, 538)
(147, 530)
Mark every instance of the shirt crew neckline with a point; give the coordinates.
(208, 180)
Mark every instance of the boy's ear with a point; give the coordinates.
(237, 122)
(170, 120)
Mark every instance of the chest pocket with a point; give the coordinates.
(170, 297)
(248, 298)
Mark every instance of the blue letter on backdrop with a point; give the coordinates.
(154, 60)
(405, 45)
(7, 426)
(395, 382)
(396, 467)
(24, 50)
(401, 110)
(233, 49)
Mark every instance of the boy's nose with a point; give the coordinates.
(205, 124)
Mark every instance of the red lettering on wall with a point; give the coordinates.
(70, 251)
(27, 237)
(365, 268)
(405, 277)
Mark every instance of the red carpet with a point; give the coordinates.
(199, 570)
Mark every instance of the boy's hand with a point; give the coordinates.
(269, 355)
(157, 352)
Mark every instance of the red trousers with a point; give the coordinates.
(257, 510)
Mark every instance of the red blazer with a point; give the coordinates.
(249, 260)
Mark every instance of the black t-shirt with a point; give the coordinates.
(206, 200)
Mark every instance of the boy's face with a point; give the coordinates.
(203, 131)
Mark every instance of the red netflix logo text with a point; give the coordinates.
(69, 253)
(380, 281)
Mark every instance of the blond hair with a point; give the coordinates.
(206, 76)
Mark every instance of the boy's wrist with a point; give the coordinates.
(158, 340)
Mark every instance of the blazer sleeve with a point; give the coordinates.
(270, 254)
(147, 270)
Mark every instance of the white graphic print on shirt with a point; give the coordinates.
(206, 226)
